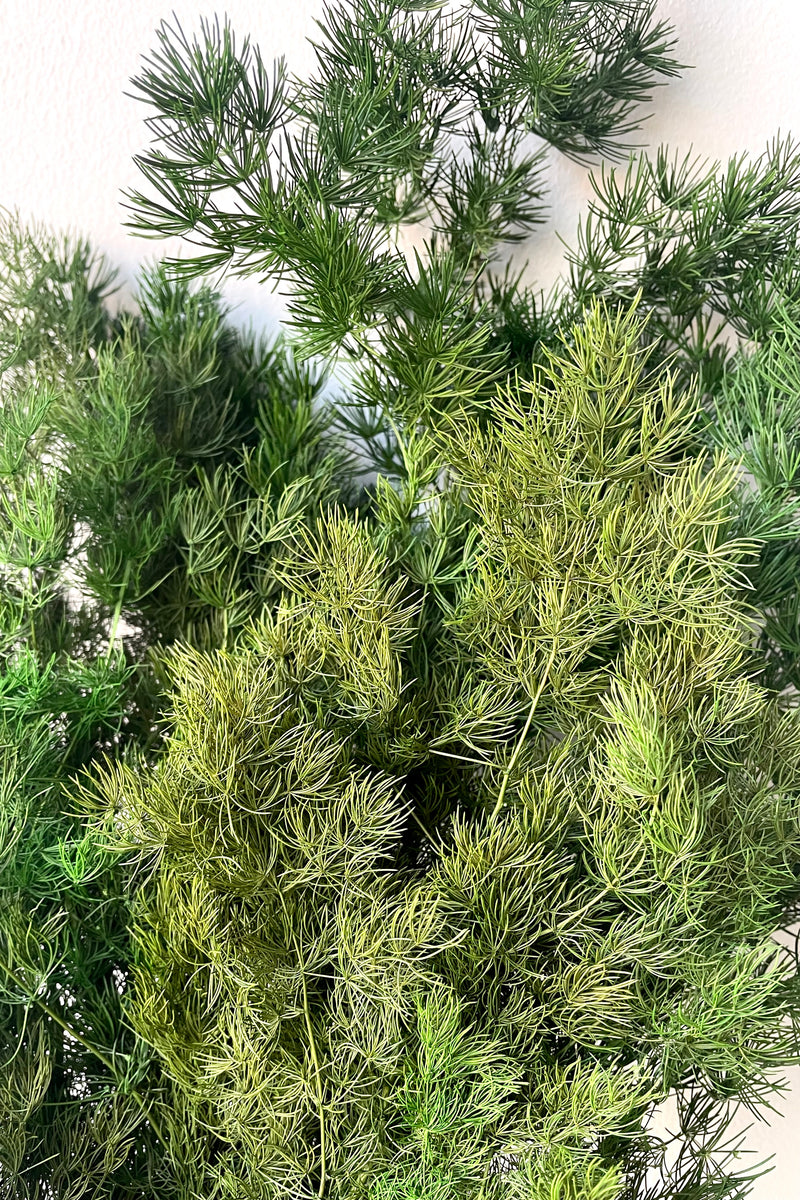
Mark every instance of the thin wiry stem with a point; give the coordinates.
(320, 1096)
(112, 636)
(544, 680)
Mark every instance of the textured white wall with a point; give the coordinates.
(68, 133)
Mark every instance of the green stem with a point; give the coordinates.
(526, 728)
(538, 693)
(320, 1105)
(313, 1047)
(112, 637)
(78, 1037)
(32, 591)
(225, 619)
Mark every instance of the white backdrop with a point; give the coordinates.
(68, 133)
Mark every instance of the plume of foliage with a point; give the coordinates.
(415, 113)
(756, 418)
(471, 853)
(712, 250)
(419, 112)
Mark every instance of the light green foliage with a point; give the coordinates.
(712, 253)
(444, 890)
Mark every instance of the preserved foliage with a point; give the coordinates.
(399, 796)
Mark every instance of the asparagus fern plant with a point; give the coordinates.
(471, 855)
(400, 800)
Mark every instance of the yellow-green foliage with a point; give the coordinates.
(380, 953)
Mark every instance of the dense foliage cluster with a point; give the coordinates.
(135, 476)
(400, 793)
(475, 863)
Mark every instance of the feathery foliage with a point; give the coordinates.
(122, 437)
(447, 885)
(422, 835)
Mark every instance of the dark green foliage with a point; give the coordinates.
(219, 451)
(414, 111)
(713, 250)
(171, 433)
(53, 295)
(756, 418)
(71, 1108)
(420, 113)
(143, 460)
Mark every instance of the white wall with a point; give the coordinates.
(68, 133)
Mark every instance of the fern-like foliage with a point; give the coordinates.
(423, 114)
(712, 248)
(142, 460)
(415, 112)
(457, 846)
(445, 886)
